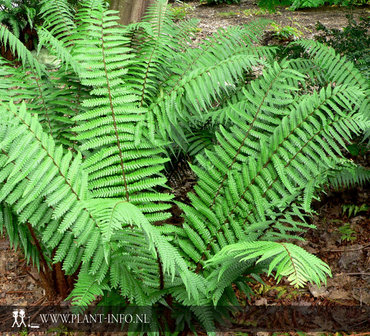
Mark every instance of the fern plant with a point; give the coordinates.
(82, 158)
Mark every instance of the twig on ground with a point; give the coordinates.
(358, 273)
(18, 291)
(345, 250)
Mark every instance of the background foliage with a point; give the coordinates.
(353, 41)
(296, 4)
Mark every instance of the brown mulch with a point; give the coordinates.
(221, 16)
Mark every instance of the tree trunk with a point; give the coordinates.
(130, 10)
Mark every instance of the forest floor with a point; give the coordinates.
(341, 240)
(221, 16)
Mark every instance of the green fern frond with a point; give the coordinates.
(58, 17)
(113, 215)
(87, 289)
(19, 235)
(337, 68)
(44, 185)
(109, 132)
(198, 77)
(287, 260)
(81, 169)
(156, 44)
(199, 141)
(255, 111)
(305, 142)
(46, 38)
(350, 176)
(9, 40)
(55, 102)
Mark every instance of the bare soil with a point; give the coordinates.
(221, 16)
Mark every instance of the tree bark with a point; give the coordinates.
(130, 10)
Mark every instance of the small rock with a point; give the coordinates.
(261, 302)
(263, 333)
(318, 292)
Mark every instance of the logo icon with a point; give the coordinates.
(19, 316)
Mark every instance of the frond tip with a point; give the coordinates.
(287, 260)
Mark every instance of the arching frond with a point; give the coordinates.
(9, 40)
(303, 144)
(55, 102)
(58, 17)
(46, 188)
(111, 215)
(81, 169)
(202, 76)
(286, 260)
(349, 176)
(117, 164)
(337, 68)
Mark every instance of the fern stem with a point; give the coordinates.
(44, 105)
(160, 268)
(245, 138)
(38, 246)
(291, 260)
(78, 103)
(45, 275)
(114, 118)
(60, 280)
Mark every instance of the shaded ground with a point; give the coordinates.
(221, 16)
(18, 282)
